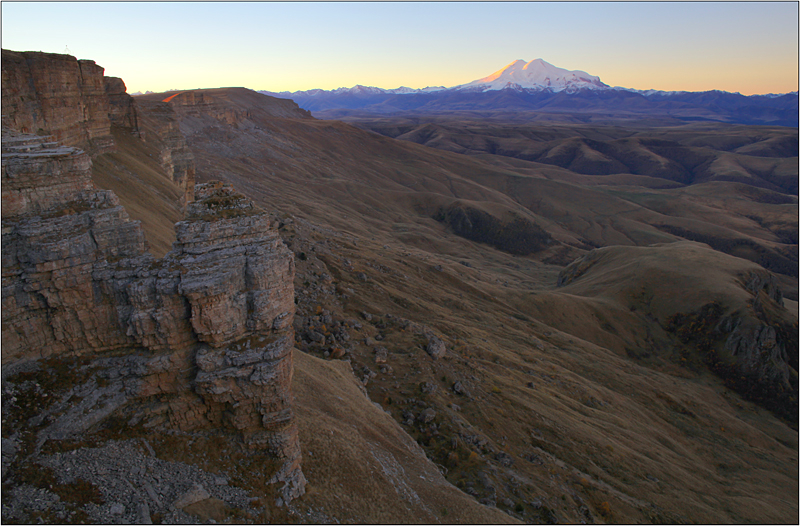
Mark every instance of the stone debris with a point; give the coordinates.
(381, 355)
(428, 387)
(195, 494)
(458, 388)
(125, 476)
(143, 514)
(151, 493)
(368, 374)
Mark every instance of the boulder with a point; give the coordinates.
(436, 347)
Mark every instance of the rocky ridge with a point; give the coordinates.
(199, 340)
(229, 105)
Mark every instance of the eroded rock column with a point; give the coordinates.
(238, 281)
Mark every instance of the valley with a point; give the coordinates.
(498, 318)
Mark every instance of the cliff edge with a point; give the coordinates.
(206, 330)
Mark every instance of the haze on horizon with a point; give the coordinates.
(746, 47)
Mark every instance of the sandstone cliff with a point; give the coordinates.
(58, 95)
(232, 105)
(207, 329)
(122, 109)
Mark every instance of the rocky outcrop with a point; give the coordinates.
(39, 174)
(208, 326)
(58, 95)
(754, 351)
(122, 110)
(65, 98)
(72, 103)
(729, 316)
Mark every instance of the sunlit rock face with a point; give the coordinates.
(57, 95)
(72, 103)
(207, 327)
(122, 110)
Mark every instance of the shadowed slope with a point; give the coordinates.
(135, 175)
(686, 304)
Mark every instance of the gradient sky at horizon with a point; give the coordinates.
(749, 47)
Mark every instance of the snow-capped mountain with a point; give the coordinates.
(535, 75)
(542, 87)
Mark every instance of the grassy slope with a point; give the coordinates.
(760, 155)
(359, 462)
(134, 173)
(311, 163)
(601, 427)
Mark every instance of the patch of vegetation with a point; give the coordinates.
(38, 389)
(787, 234)
(697, 327)
(519, 236)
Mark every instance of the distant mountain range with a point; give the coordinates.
(542, 87)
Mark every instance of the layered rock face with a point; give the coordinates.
(74, 104)
(159, 125)
(208, 326)
(58, 95)
(122, 109)
(232, 105)
(57, 230)
(39, 174)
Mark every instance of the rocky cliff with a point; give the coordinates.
(71, 101)
(159, 127)
(122, 109)
(58, 95)
(206, 330)
(232, 105)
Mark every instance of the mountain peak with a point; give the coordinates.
(538, 75)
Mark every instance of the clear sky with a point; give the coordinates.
(749, 47)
